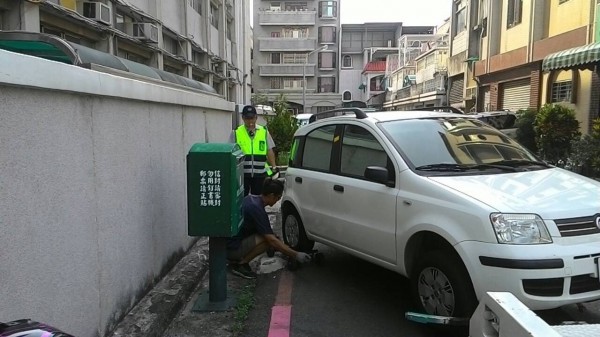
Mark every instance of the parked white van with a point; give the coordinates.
(448, 201)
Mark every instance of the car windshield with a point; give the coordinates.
(456, 144)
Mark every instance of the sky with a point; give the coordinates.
(409, 12)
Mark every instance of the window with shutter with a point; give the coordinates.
(515, 13)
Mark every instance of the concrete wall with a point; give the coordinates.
(92, 189)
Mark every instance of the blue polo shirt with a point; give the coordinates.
(256, 221)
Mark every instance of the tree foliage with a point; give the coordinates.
(282, 125)
(556, 127)
(585, 152)
(525, 132)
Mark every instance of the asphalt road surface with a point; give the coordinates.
(347, 297)
(341, 297)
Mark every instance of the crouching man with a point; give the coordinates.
(256, 235)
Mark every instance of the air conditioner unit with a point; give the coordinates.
(145, 31)
(97, 11)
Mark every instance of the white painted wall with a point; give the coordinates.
(214, 40)
(144, 5)
(92, 188)
(171, 16)
(350, 80)
(459, 44)
(195, 23)
(228, 51)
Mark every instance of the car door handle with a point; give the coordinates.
(298, 180)
(338, 188)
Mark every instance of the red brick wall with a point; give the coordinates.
(536, 89)
(494, 97)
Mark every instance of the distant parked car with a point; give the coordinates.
(449, 202)
(502, 120)
(302, 119)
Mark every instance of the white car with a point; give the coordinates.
(302, 119)
(449, 202)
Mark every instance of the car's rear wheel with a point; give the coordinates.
(294, 234)
(441, 286)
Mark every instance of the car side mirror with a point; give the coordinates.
(378, 174)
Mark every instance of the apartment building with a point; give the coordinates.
(515, 64)
(417, 73)
(365, 50)
(296, 53)
(466, 34)
(571, 75)
(192, 40)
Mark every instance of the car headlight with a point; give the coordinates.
(520, 229)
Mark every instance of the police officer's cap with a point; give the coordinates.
(248, 111)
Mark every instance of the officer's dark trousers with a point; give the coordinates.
(254, 184)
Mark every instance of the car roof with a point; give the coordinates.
(378, 116)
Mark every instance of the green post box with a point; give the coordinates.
(215, 190)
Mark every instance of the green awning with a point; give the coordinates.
(578, 57)
(44, 46)
(51, 47)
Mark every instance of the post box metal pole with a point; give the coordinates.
(217, 251)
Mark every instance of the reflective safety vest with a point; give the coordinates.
(255, 150)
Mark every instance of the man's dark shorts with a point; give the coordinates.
(245, 247)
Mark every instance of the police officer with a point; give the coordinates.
(257, 145)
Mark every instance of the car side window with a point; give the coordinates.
(317, 148)
(360, 149)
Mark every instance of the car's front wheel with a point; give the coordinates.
(441, 286)
(294, 234)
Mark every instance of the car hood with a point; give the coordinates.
(552, 193)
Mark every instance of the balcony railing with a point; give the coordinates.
(286, 90)
(287, 44)
(430, 73)
(285, 70)
(434, 85)
(403, 93)
(287, 18)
